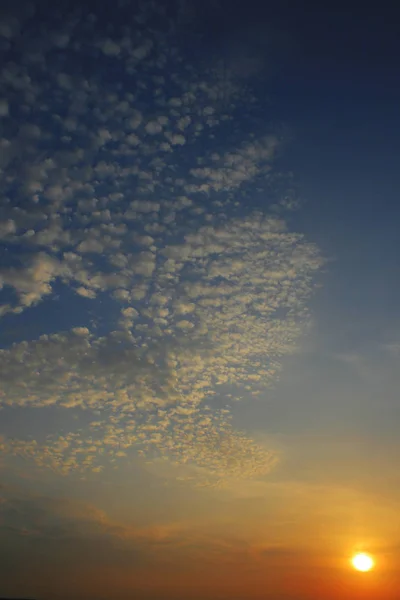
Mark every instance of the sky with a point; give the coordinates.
(199, 291)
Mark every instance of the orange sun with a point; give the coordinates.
(363, 562)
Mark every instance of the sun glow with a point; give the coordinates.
(363, 562)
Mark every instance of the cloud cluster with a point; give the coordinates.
(128, 179)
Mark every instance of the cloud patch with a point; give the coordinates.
(139, 200)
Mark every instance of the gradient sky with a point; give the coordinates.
(199, 292)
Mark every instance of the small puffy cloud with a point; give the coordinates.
(81, 331)
(91, 245)
(175, 139)
(144, 240)
(121, 295)
(153, 127)
(175, 102)
(7, 228)
(104, 136)
(130, 313)
(145, 264)
(185, 325)
(145, 206)
(3, 107)
(183, 123)
(139, 292)
(65, 81)
(142, 51)
(9, 26)
(85, 292)
(132, 139)
(33, 282)
(135, 119)
(61, 40)
(184, 308)
(110, 48)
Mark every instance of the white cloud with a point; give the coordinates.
(7, 228)
(110, 48)
(185, 325)
(4, 109)
(33, 282)
(183, 123)
(81, 331)
(153, 127)
(176, 139)
(61, 40)
(91, 245)
(135, 119)
(145, 206)
(140, 52)
(132, 139)
(202, 297)
(86, 293)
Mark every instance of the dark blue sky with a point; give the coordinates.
(339, 89)
(335, 84)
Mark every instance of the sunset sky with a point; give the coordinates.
(199, 300)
